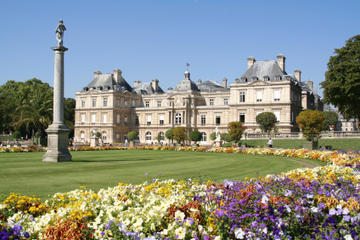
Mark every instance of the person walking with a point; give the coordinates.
(270, 143)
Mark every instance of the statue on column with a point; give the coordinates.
(60, 29)
(218, 137)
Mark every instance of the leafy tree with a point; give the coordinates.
(342, 79)
(225, 137)
(235, 130)
(311, 123)
(132, 136)
(159, 137)
(69, 114)
(180, 134)
(169, 134)
(213, 136)
(331, 118)
(195, 136)
(266, 121)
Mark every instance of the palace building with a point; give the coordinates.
(109, 105)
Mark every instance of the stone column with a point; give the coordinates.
(58, 133)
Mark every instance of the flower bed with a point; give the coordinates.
(319, 203)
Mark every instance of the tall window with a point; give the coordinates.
(118, 118)
(217, 120)
(118, 102)
(94, 102)
(242, 96)
(203, 119)
(162, 135)
(137, 121)
(82, 117)
(125, 118)
(259, 96)
(161, 118)
(276, 95)
(148, 136)
(105, 102)
(178, 118)
(104, 117)
(104, 135)
(159, 103)
(242, 117)
(211, 101)
(82, 135)
(126, 103)
(203, 137)
(148, 119)
(226, 101)
(83, 103)
(133, 103)
(147, 103)
(93, 117)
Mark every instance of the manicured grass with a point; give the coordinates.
(336, 143)
(25, 173)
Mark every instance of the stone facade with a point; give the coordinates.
(109, 105)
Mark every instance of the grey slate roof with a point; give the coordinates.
(146, 88)
(261, 69)
(211, 86)
(186, 84)
(106, 82)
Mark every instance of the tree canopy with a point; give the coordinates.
(311, 123)
(331, 118)
(169, 134)
(195, 136)
(180, 134)
(27, 107)
(235, 130)
(266, 121)
(342, 79)
(133, 135)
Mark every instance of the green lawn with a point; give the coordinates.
(337, 143)
(25, 173)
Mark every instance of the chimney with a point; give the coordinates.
(155, 84)
(199, 81)
(224, 82)
(97, 73)
(137, 83)
(310, 84)
(251, 61)
(297, 74)
(117, 75)
(281, 62)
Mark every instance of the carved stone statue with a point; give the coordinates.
(217, 134)
(60, 29)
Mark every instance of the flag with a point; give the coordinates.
(188, 64)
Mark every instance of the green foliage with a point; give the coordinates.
(17, 134)
(266, 121)
(311, 123)
(159, 137)
(235, 130)
(213, 136)
(195, 136)
(225, 137)
(132, 135)
(169, 134)
(331, 118)
(27, 107)
(180, 134)
(342, 79)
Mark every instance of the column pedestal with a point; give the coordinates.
(58, 137)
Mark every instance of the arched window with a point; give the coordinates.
(82, 135)
(162, 135)
(178, 118)
(148, 136)
(103, 135)
(203, 137)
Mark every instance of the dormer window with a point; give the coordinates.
(266, 78)
(277, 77)
(254, 79)
(243, 79)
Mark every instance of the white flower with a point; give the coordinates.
(314, 209)
(179, 215)
(264, 199)
(264, 230)
(239, 233)
(346, 211)
(332, 211)
(348, 237)
(180, 232)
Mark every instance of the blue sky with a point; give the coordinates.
(155, 39)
